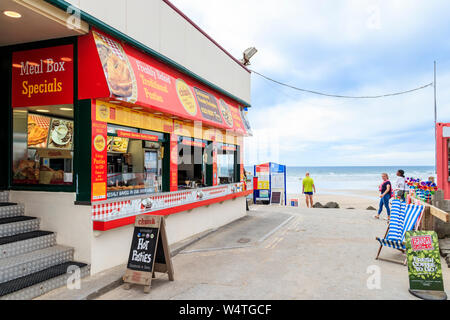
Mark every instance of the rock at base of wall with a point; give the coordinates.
(317, 205)
(332, 205)
(444, 248)
(447, 259)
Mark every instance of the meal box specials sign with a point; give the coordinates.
(424, 261)
(42, 76)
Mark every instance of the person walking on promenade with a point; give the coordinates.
(385, 190)
(307, 188)
(400, 185)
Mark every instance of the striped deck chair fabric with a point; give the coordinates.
(403, 218)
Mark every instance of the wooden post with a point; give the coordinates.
(435, 213)
(428, 219)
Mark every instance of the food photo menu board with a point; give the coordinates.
(119, 144)
(60, 134)
(37, 131)
(52, 133)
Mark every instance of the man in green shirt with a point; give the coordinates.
(308, 187)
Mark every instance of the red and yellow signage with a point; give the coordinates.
(136, 135)
(115, 114)
(193, 143)
(214, 164)
(262, 172)
(229, 148)
(173, 162)
(99, 160)
(42, 76)
(132, 76)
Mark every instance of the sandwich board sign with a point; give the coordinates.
(149, 252)
(424, 265)
(276, 197)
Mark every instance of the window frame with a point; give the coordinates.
(8, 51)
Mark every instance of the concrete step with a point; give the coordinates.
(38, 283)
(20, 224)
(4, 196)
(25, 242)
(21, 265)
(10, 209)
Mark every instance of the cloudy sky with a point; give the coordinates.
(349, 47)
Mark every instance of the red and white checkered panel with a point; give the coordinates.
(43, 122)
(105, 210)
(113, 45)
(160, 201)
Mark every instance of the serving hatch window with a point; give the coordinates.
(192, 163)
(226, 163)
(43, 145)
(134, 161)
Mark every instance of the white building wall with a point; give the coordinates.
(158, 26)
(58, 213)
(112, 247)
(106, 249)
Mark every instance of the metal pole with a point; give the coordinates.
(435, 119)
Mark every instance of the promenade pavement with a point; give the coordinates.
(286, 253)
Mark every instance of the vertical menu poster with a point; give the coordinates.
(214, 155)
(173, 162)
(99, 161)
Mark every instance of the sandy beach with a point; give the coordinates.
(358, 199)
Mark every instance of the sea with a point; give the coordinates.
(366, 178)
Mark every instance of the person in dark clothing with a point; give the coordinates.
(400, 185)
(385, 196)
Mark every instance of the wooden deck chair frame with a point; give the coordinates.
(416, 227)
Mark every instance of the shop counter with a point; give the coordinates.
(120, 212)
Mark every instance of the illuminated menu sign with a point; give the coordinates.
(42, 76)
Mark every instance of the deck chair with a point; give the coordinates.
(404, 217)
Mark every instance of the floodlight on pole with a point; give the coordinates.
(248, 53)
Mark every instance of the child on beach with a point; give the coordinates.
(385, 190)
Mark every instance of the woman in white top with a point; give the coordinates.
(400, 185)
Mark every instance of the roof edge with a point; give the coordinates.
(185, 17)
(91, 20)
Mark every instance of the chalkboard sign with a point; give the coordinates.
(143, 247)
(160, 256)
(276, 197)
(149, 252)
